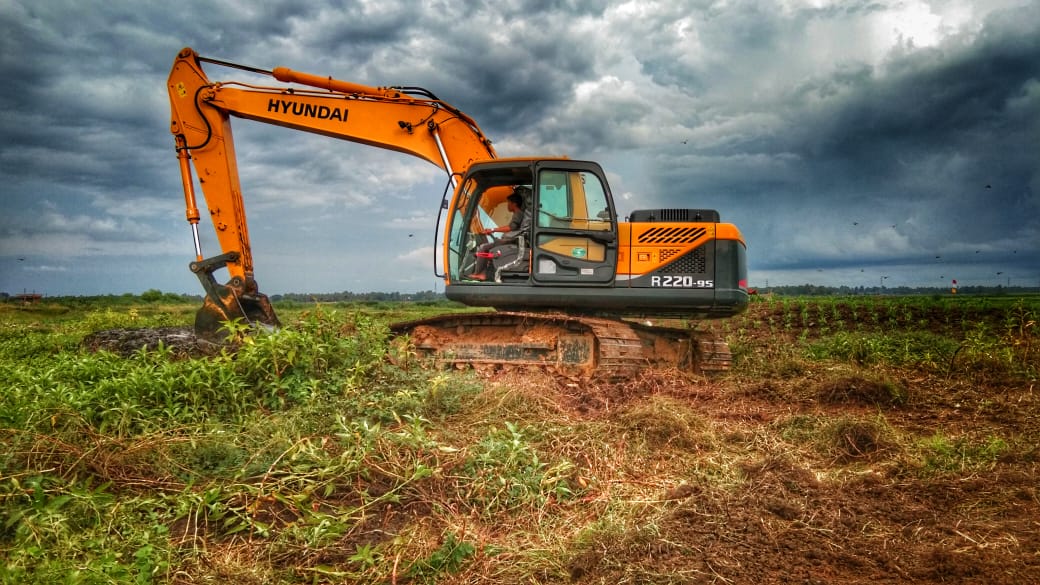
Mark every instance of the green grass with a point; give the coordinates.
(323, 452)
(309, 411)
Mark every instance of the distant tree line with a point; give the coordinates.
(157, 296)
(148, 296)
(818, 290)
(347, 296)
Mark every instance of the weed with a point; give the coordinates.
(848, 439)
(856, 389)
(918, 348)
(841, 439)
(799, 428)
(944, 454)
(664, 423)
(448, 558)
(506, 474)
(70, 532)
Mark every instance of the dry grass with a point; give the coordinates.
(791, 468)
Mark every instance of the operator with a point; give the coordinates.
(520, 223)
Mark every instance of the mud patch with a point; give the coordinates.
(180, 341)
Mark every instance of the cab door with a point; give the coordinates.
(575, 239)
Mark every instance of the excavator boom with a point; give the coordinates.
(411, 121)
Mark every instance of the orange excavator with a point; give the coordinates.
(572, 285)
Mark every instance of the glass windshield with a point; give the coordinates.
(572, 200)
(482, 204)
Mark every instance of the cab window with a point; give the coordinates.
(572, 200)
(553, 199)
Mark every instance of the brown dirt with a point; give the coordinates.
(859, 502)
(181, 341)
(794, 471)
(783, 525)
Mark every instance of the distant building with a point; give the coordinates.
(28, 298)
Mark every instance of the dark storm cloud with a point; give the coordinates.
(934, 149)
(696, 45)
(77, 107)
(936, 100)
(358, 30)
(514, 64)
(827, 142)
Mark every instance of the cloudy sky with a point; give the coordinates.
(853, 142)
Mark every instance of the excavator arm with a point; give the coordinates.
(408, 120)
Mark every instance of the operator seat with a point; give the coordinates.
(515, 258)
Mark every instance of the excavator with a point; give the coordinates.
(572, 289)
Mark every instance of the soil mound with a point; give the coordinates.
(181, 341)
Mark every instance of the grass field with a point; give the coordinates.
(855, 440)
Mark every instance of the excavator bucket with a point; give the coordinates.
(239, 299)
(229, 306)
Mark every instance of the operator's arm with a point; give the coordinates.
(495, 230)
(512, 226)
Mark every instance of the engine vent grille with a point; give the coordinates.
(671, 235)
(693, 263)
(674, 215)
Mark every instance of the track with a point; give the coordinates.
(576, 346)
(572, 345)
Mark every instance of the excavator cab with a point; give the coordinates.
(571, 240)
